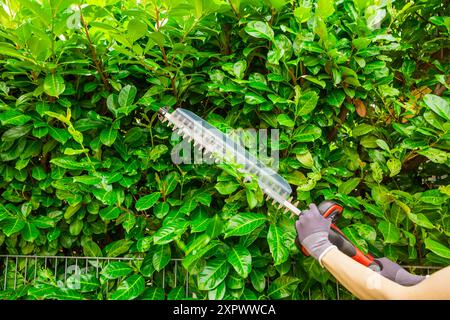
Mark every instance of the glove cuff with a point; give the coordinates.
(316, 244)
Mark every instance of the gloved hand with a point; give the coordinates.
(313, 229)
(396, 273)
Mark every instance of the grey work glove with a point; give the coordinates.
(313, 229)
(396, 273)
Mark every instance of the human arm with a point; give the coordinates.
(313, 230)
(365, 283)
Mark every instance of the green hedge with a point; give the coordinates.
(358, 89)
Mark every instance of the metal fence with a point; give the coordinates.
(21, 270)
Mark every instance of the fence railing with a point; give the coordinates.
(21, 270)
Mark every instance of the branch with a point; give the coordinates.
(163, 51)
(234, 9)
(342, 115)
(97, 62)
(440, 89)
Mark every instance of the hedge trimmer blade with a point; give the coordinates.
(221, 148)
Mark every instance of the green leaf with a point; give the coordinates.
(129, 289)
(87, 180)
(258, 279)
(161, 209)
(435, 155)
(109, 213)
(241, 260)
(285, 120)
(439, 105)
(30, 232)
(215, 227)
(349, 185)
(127, 95)
(307, 103)
(169, 183)
(161, 257)
(307, 133)
(253, 98)
(391, 233)
(282, 287)
(382, 144)
(325, 8)
(59, 135)
(394, 166)
(190, 259)
(91, 249)
(434, 197)
(303, 12)
(214, 272)
(259, 29)
(15, 133)
(116, 269)
(277, 248)
(218, 293)
(167, 233)
(118, 247)
(147, 201)
(421, 220)
(153, 293)
(314, 80)
(243, 224)
(54, 84)
(11, 225)
(188, 206)
(38, 173)
(136, 29)
(69, 163)
(13, 117)
(88, 282)
(305, 159)
(438, 248)
(336, 98)
(177, 293)
(226, 187)
(108, 136)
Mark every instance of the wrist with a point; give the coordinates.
(325, 252)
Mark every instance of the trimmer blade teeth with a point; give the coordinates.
(279, 207)
(296, 203)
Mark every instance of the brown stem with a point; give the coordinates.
(293, 77)
(440, 89)
(97, 62)
(342, 115)
(166, 61)
(234, 9)
(302, 70)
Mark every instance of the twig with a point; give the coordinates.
(97, 62)
(440, 89)
(234, 9)
(342, 115)
(163, 51)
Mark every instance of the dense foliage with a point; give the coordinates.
(359, 90)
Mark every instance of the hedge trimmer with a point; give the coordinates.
(221, 148)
